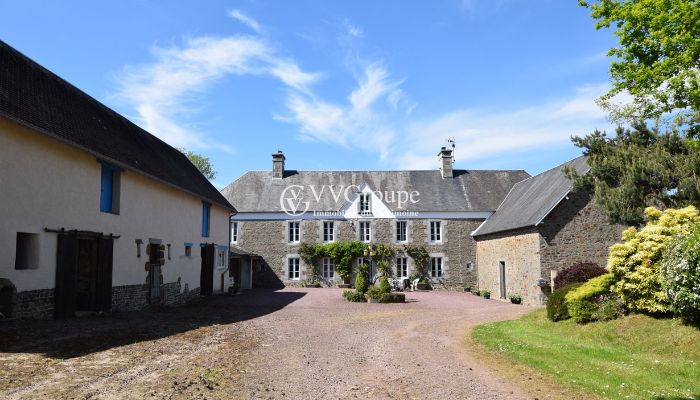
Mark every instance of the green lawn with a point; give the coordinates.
(636, 357)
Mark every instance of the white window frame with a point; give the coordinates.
(402, 267)
(435, 231)
(436, 267)
(234, 232)
(365, 204)
(328, 268)
(293, 268)
(294, 232)
(365, 231)
(328, 231)
(401, 234)
(221, 257)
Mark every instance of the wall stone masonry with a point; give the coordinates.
(37, 304)
(129, 297)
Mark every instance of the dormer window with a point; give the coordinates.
(365, 204)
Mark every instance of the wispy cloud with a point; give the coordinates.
(354, 30)
(245, 20)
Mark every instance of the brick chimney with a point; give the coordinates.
(445, 158)
(278, 165)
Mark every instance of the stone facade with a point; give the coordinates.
(34, 304)
(574, 231)
(269, 239)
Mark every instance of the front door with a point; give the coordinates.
(502, 278)
(155, 278)
(206, 276)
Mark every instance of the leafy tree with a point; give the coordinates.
(658, 58)
(202, 163)
(639, 167)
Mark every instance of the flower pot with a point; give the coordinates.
(516, 301)
(423, 286)
(371, 300)
(344, 285)
(487, 296)
(466, 289)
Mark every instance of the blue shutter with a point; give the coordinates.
(106, 187)
(205, 219)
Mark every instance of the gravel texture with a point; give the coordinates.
(287, 344)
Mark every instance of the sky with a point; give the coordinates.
(336, 85)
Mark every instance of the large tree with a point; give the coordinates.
(657, 61)
(202, 163)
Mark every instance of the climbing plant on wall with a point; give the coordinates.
(420, 257)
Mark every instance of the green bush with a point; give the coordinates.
(516, 298)
(361, 278)
(635, 263)
(353, 296)
(583, 303)
(384, 284)
(556, 303)
(485, 293)
(610, 307)
(393, 298)
(680, 271)
(374, 293)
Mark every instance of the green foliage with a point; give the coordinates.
(353, 296)
(583, 302)
(657, 59)
(202, 163)
(374, 293)
(384, 268)
(635, 262)
(393, 298)
(361, 278)
(343, 255)
(556, 303)
(610, 307)
(384, 284)
(638, 168)
(680, 272)
(485, 293)
(420, 257)
(516, 298)
(384, 252)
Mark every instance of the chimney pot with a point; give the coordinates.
(278, 164)
(445, 158)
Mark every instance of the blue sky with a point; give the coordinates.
(334, 84)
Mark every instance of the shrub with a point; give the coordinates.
(583, 302)
(556, 303)
(353, 296)
(578, 273)
(516, 298)
(635, 263)
(374, 293)
(610, 307)
(485, 293)
(384, 284)
(393, 298)
(361, 278)
(680, 272)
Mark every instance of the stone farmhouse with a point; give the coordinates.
(541, 228)
(281, 208)
(97, 214)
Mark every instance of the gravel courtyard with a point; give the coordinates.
(288, 344)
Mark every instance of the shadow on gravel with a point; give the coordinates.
(65, 339)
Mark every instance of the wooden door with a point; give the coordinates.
(66, 273)
(502, 278)
(206, 284)
(105, 255)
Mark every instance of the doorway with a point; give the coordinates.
(155, 277)
(206, 276)
(502, 278)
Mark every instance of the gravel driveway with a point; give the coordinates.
(288, 344)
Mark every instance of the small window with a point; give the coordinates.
(328, 231)
(188, 249)
(401, 235)
(293, 268)
(110, 179)
(234, 232)
(294, 233)
(435, 231)
(27, 251)
(401, 267)
(365, 204)
(365, 232)
(436, 267)
(221, 258)
(328, 268)
(470, 267)
(206, 218)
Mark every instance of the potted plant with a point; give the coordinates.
(516, 298)
(476, 292)
(485, 294)
(424, 284)
(467, 289)
(374, 294)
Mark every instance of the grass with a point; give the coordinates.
(635, 357)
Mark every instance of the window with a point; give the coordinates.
(470, 267)
(221, 258)
(206, 216)
(188, 249)
(293, 268)
(401, 231)
(401, 267)
(109, 189)
(328, 268)
(27, 251)
(365, 232)
(328, 232)
(436, 267)
(293, 232)
(435, 231)
(234, 232)
(365, 205)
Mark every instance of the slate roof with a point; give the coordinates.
(480, 191)
(35, 97)
(531, 200)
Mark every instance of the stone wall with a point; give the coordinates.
(576, 231)
(520, 251)
(129, 297)
(268, 239)
(34, 304)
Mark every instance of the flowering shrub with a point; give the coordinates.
(680, 271)
(635, 262)
(578, 273)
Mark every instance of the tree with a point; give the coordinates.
(657, 61)
(637, 168)
(202, 163)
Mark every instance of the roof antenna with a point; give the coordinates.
(452, 141)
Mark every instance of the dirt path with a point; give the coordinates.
(291, 344)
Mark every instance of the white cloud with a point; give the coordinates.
(354, 30)
(245, 20)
